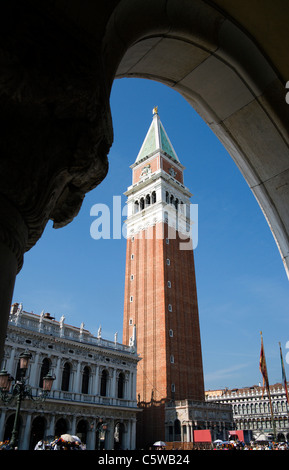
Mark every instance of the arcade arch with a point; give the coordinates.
(219, 69)
(212, 52)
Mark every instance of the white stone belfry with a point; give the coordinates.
(157, 193)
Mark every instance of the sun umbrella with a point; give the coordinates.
(218, 441)
(67, 437)
(76, 439)
(160, 444)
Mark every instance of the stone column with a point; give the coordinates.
(109, 436)
(90, 440)
(78, 379)
(13, 238)
(55, 133)
(24, 442)
(112, 391)
(95, 381)
(34, 372)
(58, 374)
(50, 431)
(2, 424)
(133, 434)
(10, 363)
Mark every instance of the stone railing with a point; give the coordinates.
(54, 328)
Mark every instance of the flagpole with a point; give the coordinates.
(283, 374)
(263, 369)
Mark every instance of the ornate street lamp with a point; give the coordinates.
(21, 390)
(5, 381)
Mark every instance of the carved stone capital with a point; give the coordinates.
(13, 230)
(57, 128)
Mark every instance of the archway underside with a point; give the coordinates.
(243, 102)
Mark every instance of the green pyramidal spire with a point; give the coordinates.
(155, 140)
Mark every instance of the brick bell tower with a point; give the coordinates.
(160, 303)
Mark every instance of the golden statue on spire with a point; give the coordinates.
(155, 110)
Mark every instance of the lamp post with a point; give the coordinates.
(21, 390)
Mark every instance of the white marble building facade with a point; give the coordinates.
(252, 411)
(94, 391)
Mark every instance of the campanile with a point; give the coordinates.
(160, 302)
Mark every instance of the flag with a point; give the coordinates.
(263, 367)
(283, 374)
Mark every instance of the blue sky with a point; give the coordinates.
(242, 285)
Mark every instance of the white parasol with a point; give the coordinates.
(67, 437)
(160, 444)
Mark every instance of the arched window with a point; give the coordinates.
(136, 207)
(103, 383)
(85, 379)
(154, 197)
(65, 377)
(142, 204)
(148, 200)
(45, 368)
(120, 386)
(177, 430)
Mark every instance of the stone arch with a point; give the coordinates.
(86, 376)
(9, 424)
(104, 382)
(66, 376)
(37, 433)
(61, 427)
(45, 369)
(177, 430)
(120, 384)
(119, 430)
(197, 50)
(82, 429)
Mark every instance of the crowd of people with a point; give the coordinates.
(68, 442)
(239, 445)
(64, 442)
(61, 443)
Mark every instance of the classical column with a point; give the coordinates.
(24, 442)
(55, 132)
(72, 429)
(90, 439)
(95, 381)
(58, 374)
(109, 436)
(133, 434)
(2, 424)
(112, 391)
(11, 362)
(133, 390)
(50, 430)
(34, 371)
(78, 379)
